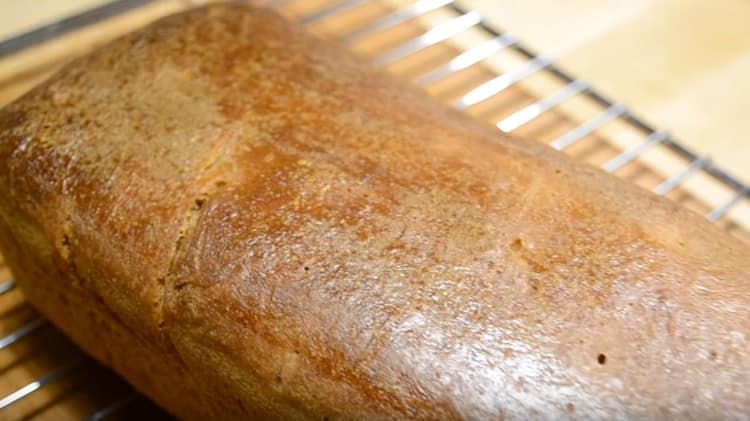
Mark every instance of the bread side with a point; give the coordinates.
(276, 230)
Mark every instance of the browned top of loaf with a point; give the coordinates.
(316, 237)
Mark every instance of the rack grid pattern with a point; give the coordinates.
(459, 20)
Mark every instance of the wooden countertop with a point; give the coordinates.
(18, 16)
(683, 64)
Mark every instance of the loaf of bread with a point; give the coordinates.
(247, 222)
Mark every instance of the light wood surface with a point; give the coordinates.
(18, 16)
(91, 387)
(685, 64)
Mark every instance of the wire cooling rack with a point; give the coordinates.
(444, 47)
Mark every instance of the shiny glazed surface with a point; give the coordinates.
(276, 230)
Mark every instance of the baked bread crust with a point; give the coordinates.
(248, 222)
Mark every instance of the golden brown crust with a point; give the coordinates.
(295, 235)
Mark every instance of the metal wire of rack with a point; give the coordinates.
(462, 20)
